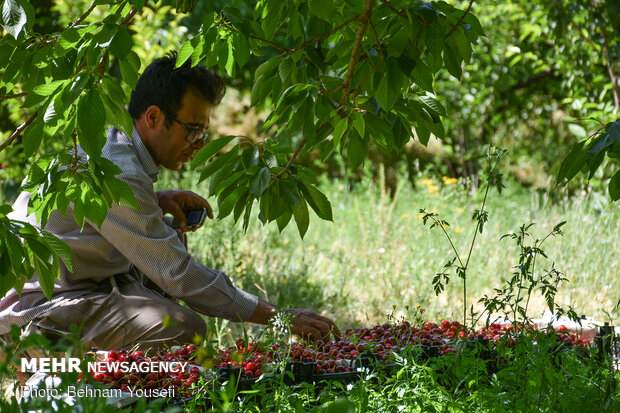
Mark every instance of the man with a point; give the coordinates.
(125, 272)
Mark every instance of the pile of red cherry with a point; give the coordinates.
(180, 383)
(381, 341)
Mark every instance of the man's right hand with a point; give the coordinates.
(305, 323)
(312, 326)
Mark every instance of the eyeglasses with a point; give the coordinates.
(193, 135)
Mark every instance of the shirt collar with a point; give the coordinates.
(147, 161)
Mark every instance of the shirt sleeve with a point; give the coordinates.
(154, 248)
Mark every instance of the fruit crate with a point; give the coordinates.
(371, 350)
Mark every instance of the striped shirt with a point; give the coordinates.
(129, 241)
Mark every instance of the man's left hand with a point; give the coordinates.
(175, 202)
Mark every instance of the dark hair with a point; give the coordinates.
(164, 86)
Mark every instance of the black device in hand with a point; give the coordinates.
(194, 217)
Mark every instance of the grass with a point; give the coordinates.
(377, 258)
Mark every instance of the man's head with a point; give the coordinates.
(171, 107)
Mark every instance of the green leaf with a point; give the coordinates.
(284, 219)
(250, 157)
(577, 130)
(48, 88)
(572, 164)
(217, 163)
(184, 53)
(43, 261)
(117, 115)
(382, 94)
(32, 137)
(317, 200)
(241, 49)
(302, 218)
(452, 62)
(73, 90)
(67, 40)
(14, 17)
(121, 191)
(285, 68)
(434, 104)
(60, 248)
(78, 211)
(230, 57)
(96, 210)
(121, 43)
(260, 182)
(357, 151)
(91, 121)
(339, 129)
(358, 123)
(217, 180)
(261, 89)
(265, 69)
(614, 187)
(463, 46)
(138, 3)
(340, 406)
(289, 192)
(129, 69)
(105, 35)
(246, 216)
(227, 204)
(324, 9)
(423, 76)
(241, 204)
(210, 149)
(435, 39)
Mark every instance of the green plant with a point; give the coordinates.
(519, 288)
(480, 216)
(341, 80)
(588, 155)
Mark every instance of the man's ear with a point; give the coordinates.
(153, 116)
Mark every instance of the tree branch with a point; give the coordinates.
(458, 23)
(270, 43)
(129, 16)
(75, 152)
(15, 96)
(399, 12)
(83, 16)
(373, 70)
(18, 131)
(300, 146)
(100, 68)
(610, 71)
(363, 19)
(321, 36)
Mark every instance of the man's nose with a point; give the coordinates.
(198, 145)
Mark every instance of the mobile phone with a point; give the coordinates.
(194, 217)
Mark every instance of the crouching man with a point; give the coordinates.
(128, 274)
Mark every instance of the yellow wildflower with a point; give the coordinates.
(449, 181)
(405, 216)
(459, 210)
(458, 230)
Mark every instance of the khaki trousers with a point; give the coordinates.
(122, 314)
